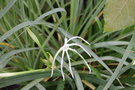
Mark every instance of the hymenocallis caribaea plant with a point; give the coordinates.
(64, 49)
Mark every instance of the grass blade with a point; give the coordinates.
(31, 84)
(78, 81)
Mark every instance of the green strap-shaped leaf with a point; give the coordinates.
(119, 14)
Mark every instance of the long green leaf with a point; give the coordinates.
(110, 43)
(74, 15)
(78, 81)
(7, 79)
(33, 36)
(31, 84)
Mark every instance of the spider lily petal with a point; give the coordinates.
(62, 65)
(69, 64)
(77, 37)
(65, 41)
(81, 57)
(54, 60)
(75, 44)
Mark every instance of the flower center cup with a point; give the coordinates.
(65, 47)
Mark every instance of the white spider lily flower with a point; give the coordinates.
(64, 49)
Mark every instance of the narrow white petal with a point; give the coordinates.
(75, 44)
(70, 69)
(77, 37)
(81, 57)
(54, 60)
(62, 65)
(65, 41)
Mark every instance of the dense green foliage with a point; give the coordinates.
(32, 31)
